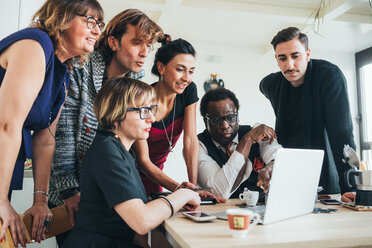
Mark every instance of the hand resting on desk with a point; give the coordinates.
(202, 193)
(348, 197)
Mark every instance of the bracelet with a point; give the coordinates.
(178, 187)
(170, 204)
(41, 192)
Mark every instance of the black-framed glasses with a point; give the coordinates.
(145, 111)
(92, 22)
(217, 120)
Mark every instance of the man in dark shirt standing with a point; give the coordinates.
(311, 105)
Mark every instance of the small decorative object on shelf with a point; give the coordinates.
(213, 83)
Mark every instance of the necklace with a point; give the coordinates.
(165, 130)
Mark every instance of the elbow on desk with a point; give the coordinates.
(224, 196)
(142, 231)
(142, 227)
(218, 192)
(145, 222)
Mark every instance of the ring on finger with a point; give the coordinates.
(46, 222)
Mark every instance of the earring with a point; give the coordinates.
(161, 78)
(116, 132)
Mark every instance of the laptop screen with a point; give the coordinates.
(293, 185)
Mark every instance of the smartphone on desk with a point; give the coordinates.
(208, 201)
(198, 216)
(330, 202)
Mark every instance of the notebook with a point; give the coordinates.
(293, 185)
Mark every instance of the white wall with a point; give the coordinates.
(16, 14)
(9, 17)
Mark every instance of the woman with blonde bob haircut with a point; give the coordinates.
(109, 174)
(111, 105)
(34, 78)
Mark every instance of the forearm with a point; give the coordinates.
(191, 154)
(220, 179)
(268, 151)
(10, 143)
(143, 217)
(178, 199)
(233, 176)
(191, 142)
(244, 146)
(157, 175)
(43, 150)
(140, 147)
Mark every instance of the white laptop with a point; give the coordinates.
(293, 185)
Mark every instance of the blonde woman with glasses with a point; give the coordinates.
(113, 205)
(34, 78)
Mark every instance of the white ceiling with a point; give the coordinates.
(346, 26)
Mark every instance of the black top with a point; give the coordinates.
(188, 97)
(109, 176)
(292, 134)
(325, 114)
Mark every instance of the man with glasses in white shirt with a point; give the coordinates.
(232, 156)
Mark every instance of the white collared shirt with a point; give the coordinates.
(221, 179)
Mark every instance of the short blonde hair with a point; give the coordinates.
(147, 30)
(118, 94)
(55, 17)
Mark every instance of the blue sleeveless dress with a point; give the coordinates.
(48, 102)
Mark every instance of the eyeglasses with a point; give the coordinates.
(145, 111)
(92, 22)
(217, 120)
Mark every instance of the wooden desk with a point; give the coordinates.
(344, 228)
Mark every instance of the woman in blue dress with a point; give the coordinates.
(34, 65)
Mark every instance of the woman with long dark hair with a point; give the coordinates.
(176, 98)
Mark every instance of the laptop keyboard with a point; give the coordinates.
(259, 209)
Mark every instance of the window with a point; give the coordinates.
(364, 81)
